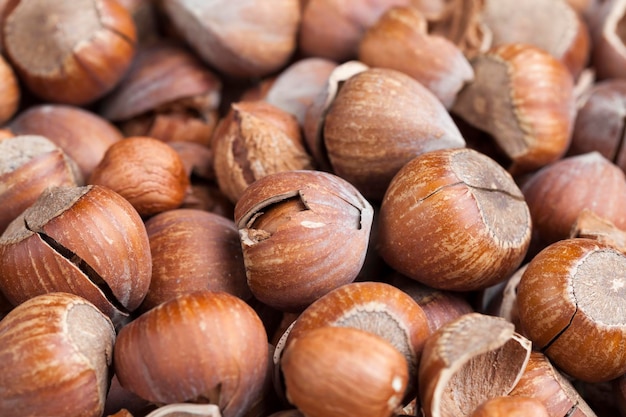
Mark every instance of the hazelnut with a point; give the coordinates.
(70, 52)
(556, 28)
(295, 88)
(256, 139)
(468, 361)
(400, 41)
(511, 407)
(303, 233)
(523, 97)
(383, 109)
(608, 57)
(374, 307)
(442, 221)
(559, 192)
(82, 134)
(542, 381)
(599, 122)
(9, 91)
(56, 350)
(28, 165)
(186, 410)
(246, 38)
(620, 393)
(204, 347)
(83, 240)
(571, 305)
(440, 306)
(167, 94)
(193, 250)
(323, 367)
(316, 112)
(332, 29)
(146, 172)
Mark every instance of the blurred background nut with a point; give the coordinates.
(256, 139)
(332, 29)
(9, 91)
(571, 305)
(303, 233)
(558, 28)
(87, 241)
(28, 165)
(57, 351)
(193, 250)
(523, 97)
(241, 39)
(608, 54)
(167, 94)
(204, 347)
(82, 134)
(146, 172)
(559, 192)
(600, 122)
(323, 367)
(295, 88)
(380, 120)
(399, 40)
(443, 221)
(70, 52)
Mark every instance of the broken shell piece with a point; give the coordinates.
(468, 361)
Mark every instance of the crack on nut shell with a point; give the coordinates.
(82, 265)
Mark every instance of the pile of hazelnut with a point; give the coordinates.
(312, 208)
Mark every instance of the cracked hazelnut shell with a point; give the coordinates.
(84, 240)
(572, 301)
(303, 233)
(443, 221)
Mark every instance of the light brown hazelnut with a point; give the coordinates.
(380, 120)
(70, 52)
(599, 122)
(323, 367)
(57, 350)
(9, 91)
(83, 240)
(375, 307)
(559, 192)
(82, 134)
(332, 29)
(523, 97)
(200, 347)
(297, 86)
(28, 165)
(511, 407)
(571, 305)
(442, 222)
(254, 140)
(556, 28)
(241, 39)
(541, 380)
(399, 40)
(146, 172)
(303, 233)
(193, 250)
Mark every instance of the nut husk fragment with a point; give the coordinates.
(468, 361)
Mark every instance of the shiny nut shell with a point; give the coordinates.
(84, 240)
